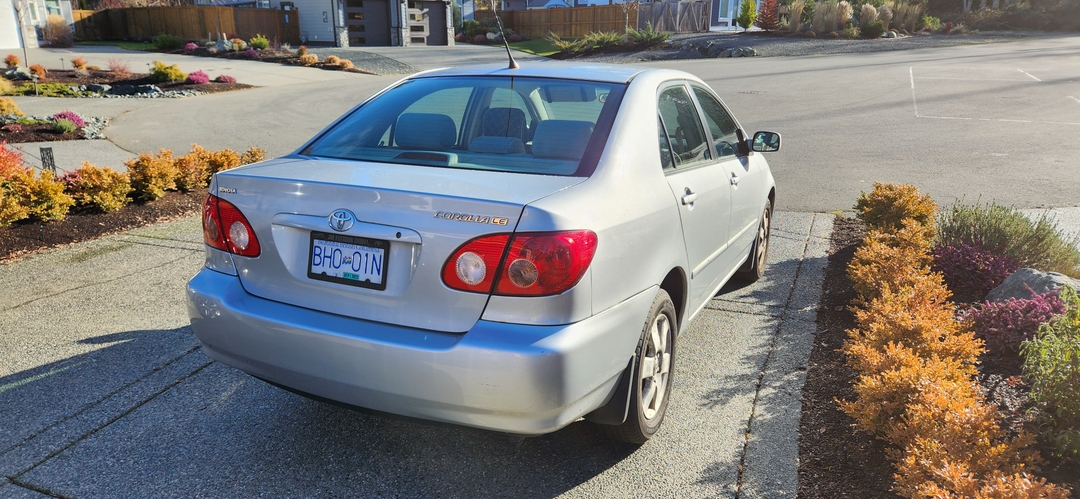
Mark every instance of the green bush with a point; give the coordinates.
(567, 46)
(473, 28)
(873, 29)
(64, 126)
(259, 42)
(167, 42)
(601, 39)
(931, 23)
(47, 90)
(163, 73)
(1052, 366)
(747, 14)
(647, 37)
(1004, 230)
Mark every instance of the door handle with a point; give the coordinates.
(734, 180)
(689, 198)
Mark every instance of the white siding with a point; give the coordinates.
(312, 25)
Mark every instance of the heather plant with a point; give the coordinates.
(152, 175)
(8, 107)
(888, 205)
(1052, 366)
(970, 271)
(747, 14)
(168, 42)
(1004, 325)
(79, 63)
(11, 60)
(198, 78)
(251, 53)
(99, 187)
(64, 126)
(71, 116)
(259, 42)
(225, 79)
(309, 59)
(166, 73)
(120, 68)
(1037, 244)
(191, 47)
(252, 155)
(46, 198)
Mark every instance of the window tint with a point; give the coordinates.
(683, 127)
(665, 147)
(720, 123)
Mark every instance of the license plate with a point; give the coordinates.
(356, 261)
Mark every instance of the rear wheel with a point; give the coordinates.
(652, 375)
(754, 267)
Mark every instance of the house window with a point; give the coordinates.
(415, 5)
(416, 28)
(356, 16)
(417, 17)
(356, 28)
(418, 39)
(355, 4)
(357, 40)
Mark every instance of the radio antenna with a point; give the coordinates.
(513, 63)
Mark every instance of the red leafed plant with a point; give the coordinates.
(971, 271)
(769, 16)
(1004, 324)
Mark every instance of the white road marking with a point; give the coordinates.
(911, 72)
(1000, 120)
(975, 79)
(1029, 74)
(1075, 99)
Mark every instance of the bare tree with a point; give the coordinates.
(627, 6)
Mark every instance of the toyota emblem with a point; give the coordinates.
(341, 220)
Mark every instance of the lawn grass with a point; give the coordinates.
(124, 45)
(536, 46)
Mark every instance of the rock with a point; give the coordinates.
(122, 90)
(890, 34)
(747, 52)
(715, 50)
(1015, 286)
(101, 89)
(147, 89)
(17, 73)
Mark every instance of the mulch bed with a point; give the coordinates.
(110, 78)
(835, 461)
(28, 236)
(270, 55)
(37, 133)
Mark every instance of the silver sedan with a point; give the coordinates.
(507, 249)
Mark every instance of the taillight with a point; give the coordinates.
(226, 229)
(545, 263)
(535, 264)
(472, 267)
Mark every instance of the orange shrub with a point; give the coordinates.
(333, 60)
(79, 63)
(953, 482)
(223, 160)
(193, 169)
(39, 70)
(151, 175)
(888, 205)
(346, 64)
(13, 206)
(8, 106)
(252, 155)
(47, 200)
(888, 260)
(309, 59)
(103, 188)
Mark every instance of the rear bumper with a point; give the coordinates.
(505, 377)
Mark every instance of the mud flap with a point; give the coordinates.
(615, 411)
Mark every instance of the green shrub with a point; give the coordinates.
(259, 42)
(151, 175)
(64, 126)
(103, 188)
(601, 39)
(647, 37)
(1052, 366)
(873, 29)
(168, 42)
(809, 8)
(1004, 230)
(567, 46)
(473, 28)
(931, 23)
(888, 205)
(162, 73)
(849, 32)
(6, 87)
(747, 14)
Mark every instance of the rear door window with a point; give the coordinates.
(683, 126)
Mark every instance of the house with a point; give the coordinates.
(34, 13)
(358, 23)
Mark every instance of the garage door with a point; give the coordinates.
(368, 22)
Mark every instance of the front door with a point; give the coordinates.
(726, 11)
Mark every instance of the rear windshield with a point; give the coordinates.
(526, 125)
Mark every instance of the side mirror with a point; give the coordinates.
(766, 142)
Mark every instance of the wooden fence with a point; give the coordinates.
(678, 17)
(573, 22)
(189, 23)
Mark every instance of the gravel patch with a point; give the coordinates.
(782, 46)
(372, 63)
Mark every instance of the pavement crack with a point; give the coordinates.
(768, 357)
(92, 284)
(40, 490)
(118, 417)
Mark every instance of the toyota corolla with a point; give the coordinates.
(507, 249)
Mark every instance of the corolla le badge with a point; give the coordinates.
(341, 220)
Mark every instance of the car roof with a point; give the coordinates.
(608, 73)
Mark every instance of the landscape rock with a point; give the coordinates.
(101, 89)
(890, 34)
(17, 73)
(1017, 284)
(121, 90)
(726, 53)
(715, 50)
(147, 89)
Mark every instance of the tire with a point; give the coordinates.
(653, 368)
(754, 267)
